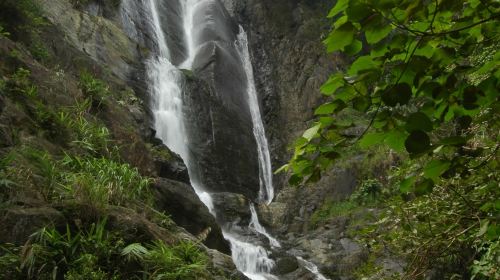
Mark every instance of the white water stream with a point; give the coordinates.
(266, 192)
(166, 82)
(166, 91)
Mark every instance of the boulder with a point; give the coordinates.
(285, 265)
(221, 139)
(231, 207)
(17, 224)
(186, 210)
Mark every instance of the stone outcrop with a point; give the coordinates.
(220, 138)
(94, 38)
(184, 207)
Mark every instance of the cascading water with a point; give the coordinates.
(266, 192)
(166, 86)
(166, 92)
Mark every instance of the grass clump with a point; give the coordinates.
(101, 181)
(331, 209)
(97, 253)
(94, 89)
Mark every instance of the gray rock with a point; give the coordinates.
(182, 203)
(285, 265)
(231, 207)
(220, 139)
(17, 224)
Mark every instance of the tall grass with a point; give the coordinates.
(101, 181)
(95, 253)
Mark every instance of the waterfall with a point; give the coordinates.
(255, 224)
(266, 192)
(166, 87)
(312, 268)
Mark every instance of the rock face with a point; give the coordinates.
(217, 113)
(98, 39)
(181, 202)
(221, 141)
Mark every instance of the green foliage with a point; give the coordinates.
(183, 261)
(369, 191)
(331, 209)
(96, 253)
(24, 22)
(426, 74)
(3, 33)
(101, 181)
(415, 78)
(487, 266)
(91, 137)
(94, 89)
(20, 17)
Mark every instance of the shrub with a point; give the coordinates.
(92, 137)
(182, 261)
(101, 181)
(331, 209)
(94, 89)
(369, 191)
(96, 253)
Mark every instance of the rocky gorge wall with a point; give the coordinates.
(75, 39)
(290, 64)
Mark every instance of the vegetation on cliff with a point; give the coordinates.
(76, 173)
(426, 74)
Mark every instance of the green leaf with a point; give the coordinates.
(340, 37)
(311, 132)
(331, 107)
(398, 94)
(333, 83)
(326, 109)
(406, 185)
(357, 10)
(417, 142)
(436, 168)
(377, 29)
(484, 227)
(339, 7)
(453, 140)
(361, 103)
(396, 140)
(361, 64)
(418, 121)
(326, 121)
(300, 142)
(295, 180)
(353, 48)
(283, 168)
(424, 187)
(371, 139)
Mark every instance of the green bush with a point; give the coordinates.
(101, 181)
(91, 137)
(369, 191)
(182, 261)
(331, 209)
(96, 253)
(93, 88)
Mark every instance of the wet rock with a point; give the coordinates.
(285, 265)
(168, 164)
(171, 18)
(221, 140)
(182, 203)
(231, 207)
(17, 224)
(99, 38)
